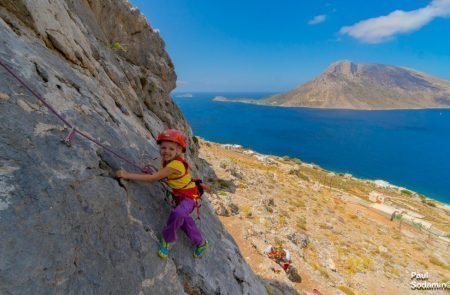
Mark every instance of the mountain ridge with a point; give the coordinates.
(348, 85)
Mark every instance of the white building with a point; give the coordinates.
(376, 197)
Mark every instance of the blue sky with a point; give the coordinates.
(250, 45)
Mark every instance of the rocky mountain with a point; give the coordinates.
(68, 226)
(346, 85)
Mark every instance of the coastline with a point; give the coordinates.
(379, 183)
(440, 203)
(255, 102)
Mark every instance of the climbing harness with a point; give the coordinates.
(194, 193)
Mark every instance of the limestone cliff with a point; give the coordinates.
(346, 85)
(67, 225)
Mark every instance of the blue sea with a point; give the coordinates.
(409, 148)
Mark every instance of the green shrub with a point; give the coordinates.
(223, 183)
(437, 262)
(299, 174)
(304, 177)
(195, 139)
(297, 161)
(346, 290)
(322, 271)
(301, 224)
(118, 47)
(406, 192)
(432, 204)
(354, 264)
(417, 225)
(246, 211)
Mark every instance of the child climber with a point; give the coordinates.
(175, 172)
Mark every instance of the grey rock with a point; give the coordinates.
(293, 275)
(269, 202)
(233, 208)
(67, 225)
(298, 239)
(236, 173)
(220, 209)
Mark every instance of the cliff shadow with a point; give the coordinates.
(277, 287)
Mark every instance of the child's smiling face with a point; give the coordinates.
(169, 150)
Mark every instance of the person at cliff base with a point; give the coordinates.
(279, 255)
(175, 172)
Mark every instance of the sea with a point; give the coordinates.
(407, 148)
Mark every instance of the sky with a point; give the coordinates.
(273, 46)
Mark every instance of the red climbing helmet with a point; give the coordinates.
(173, 135)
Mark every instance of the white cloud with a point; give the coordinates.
(317, 19)
(383, 28)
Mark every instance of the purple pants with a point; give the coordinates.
(180, 217)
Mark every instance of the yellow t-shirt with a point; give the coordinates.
(180, 183)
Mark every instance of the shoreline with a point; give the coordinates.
(381, 183)
(254, 102)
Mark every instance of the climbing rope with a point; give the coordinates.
(149, 169)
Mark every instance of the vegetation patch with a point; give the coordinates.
(223, 183)
(406, 192)
(346, 290)
(281, 221)
(299, 174)
(321, 270)
(246, 212)
(354, 264)
(438, 262)
(117, 46)
(301, 224)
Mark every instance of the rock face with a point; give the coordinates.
(67, 225)
(346, 85)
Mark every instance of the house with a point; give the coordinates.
(376, 197)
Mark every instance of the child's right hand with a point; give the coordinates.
(121, 174)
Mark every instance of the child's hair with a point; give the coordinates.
(173, 135)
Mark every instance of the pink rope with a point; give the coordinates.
(147, 169)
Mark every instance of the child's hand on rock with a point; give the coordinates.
(121, 174)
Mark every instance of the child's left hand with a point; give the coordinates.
(121, 174)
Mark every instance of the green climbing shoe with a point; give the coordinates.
(163, 251)
(200, 250)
